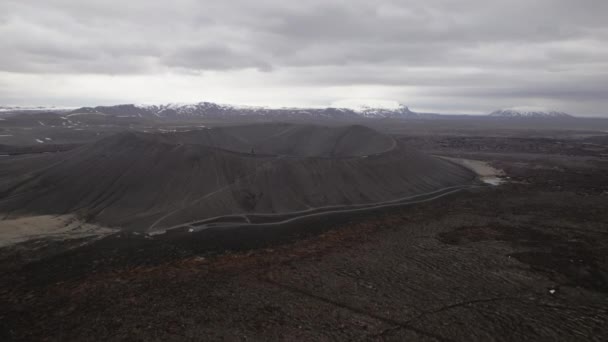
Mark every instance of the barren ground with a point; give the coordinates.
(527, 260)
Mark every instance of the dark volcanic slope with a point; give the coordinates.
(142, 181)
(292, 140)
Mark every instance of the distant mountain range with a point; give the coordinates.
(7, 109)
(214, 110)
(529, 113)
(210, 110)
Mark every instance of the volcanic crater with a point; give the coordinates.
(152, 181)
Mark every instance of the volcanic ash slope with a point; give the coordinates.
(142, 181)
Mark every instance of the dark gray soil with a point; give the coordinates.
(144, 181)
(527, 260)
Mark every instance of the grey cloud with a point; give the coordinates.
(282, 35)
(428, 44)
(215, 57)
(566, 92)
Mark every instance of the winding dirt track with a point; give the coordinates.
(277, 219)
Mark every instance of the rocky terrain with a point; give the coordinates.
(522, 260)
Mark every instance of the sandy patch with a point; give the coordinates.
(46, 226)
(486, 172)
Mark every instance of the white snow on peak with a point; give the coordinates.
(32, 108)
(528, 111)
(372, 108)
(185, 106)
(360, 105)
(250, 107)
(366, 108)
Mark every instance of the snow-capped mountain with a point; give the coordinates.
(214, 110)
(401, 112)
(376, 108)
(529, 112)
(32, 108)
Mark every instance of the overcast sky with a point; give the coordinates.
(466, 56)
